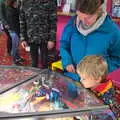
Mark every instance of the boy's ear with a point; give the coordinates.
(99, 80)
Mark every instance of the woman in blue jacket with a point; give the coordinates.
(90, 32)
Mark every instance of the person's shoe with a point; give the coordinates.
(16, 63)
(20, 60)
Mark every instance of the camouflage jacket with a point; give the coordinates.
(3, 12)
(38, 20)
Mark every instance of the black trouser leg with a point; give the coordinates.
(34, 54)
(44, 54)
(9, 41)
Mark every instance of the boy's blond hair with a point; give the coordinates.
(94, 66)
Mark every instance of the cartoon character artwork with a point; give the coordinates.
(116, 8)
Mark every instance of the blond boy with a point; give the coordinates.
(93, 71)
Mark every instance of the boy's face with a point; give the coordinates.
(88, 81)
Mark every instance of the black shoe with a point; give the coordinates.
(16, 63)
(20, 60)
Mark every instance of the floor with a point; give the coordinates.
(5, 59)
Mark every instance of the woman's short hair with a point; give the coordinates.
(10, 2)
(88, 6)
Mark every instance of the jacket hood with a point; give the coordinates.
(95, 26)
(105, 27)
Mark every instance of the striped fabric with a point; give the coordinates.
(105, 91)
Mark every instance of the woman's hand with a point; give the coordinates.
(70, 68)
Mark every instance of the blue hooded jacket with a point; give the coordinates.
(103, 41)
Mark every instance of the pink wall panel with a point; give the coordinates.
(109, 6)
(62, 20)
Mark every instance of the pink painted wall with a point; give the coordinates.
(62, 20)
(109, 6)
(115, 76)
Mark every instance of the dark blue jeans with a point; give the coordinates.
(15, 45)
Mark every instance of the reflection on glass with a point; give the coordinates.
(48, 92)
(10, 76)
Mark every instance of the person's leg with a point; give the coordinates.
(44, 54)
(9, 41)
(15, 45)
(14, 48)
(17, 48)
(34, 54)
